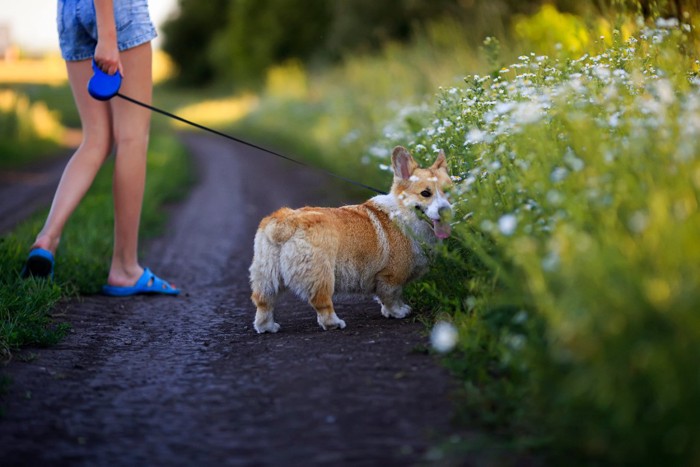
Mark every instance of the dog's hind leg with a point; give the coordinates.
(264, 314)
(322, 301)
(265, 282)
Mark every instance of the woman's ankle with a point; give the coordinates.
(45, 242)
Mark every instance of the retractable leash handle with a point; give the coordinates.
(102, 86)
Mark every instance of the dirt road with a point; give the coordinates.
(187, 381)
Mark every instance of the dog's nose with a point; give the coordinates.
(445, 212)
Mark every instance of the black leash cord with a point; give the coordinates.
(238, 140)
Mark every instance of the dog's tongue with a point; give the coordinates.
(442, 229)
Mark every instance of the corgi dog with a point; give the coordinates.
(372, 248)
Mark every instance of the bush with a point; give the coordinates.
(579, 184)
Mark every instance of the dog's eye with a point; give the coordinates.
(426, 194)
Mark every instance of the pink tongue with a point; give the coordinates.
(442, 229)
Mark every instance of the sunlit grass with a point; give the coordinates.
(328, 115)
(217, 112)
(28, 129)
(51, 70)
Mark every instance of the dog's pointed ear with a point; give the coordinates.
(403, 163)
(440, 162)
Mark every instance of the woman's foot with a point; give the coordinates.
(39, 263)
(148, 283)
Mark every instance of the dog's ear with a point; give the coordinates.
(440, 162)
(402, 162)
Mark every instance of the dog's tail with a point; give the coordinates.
(265, 272)
(277, 227)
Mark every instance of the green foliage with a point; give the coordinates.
(357, 102)
(261, 33)
(190, 34)
(23, 305)
(578, 191)
(240, 40)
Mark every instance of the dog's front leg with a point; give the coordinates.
(389, 297)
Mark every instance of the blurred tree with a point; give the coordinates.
(261, 33)
(367, 24)
(238, 40)
(188, 36)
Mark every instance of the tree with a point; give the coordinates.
(188, 36)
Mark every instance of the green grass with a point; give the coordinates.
(27, 307)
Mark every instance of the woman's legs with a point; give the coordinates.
(85, 162)
(125, 125)
(131, 126)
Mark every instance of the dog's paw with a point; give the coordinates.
(267, 327)
(331, 323)
(397, 311)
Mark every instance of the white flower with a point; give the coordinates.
(475, 136)
(602, 72)
(507, 224)
(638, 222)
(558, 174)
(665, 91)
(667, 23)
(527, 112)
(444, 336)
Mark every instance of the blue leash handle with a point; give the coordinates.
(102, 86)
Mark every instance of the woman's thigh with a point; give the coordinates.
(131, 120)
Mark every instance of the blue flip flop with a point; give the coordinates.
(40, 263)
(148, 283)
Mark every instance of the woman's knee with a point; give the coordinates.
(97, 144)
(131, 142)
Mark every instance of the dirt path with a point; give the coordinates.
(187, 381)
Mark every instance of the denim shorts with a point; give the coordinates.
(77, 26)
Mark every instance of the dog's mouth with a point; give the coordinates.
(441, 226)
(442, 229)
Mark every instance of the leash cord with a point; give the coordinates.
(252, 145)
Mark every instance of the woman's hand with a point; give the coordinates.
(107, 57)
(107, 52)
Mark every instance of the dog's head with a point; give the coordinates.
(422, 190)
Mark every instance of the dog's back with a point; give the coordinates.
(349, 246)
